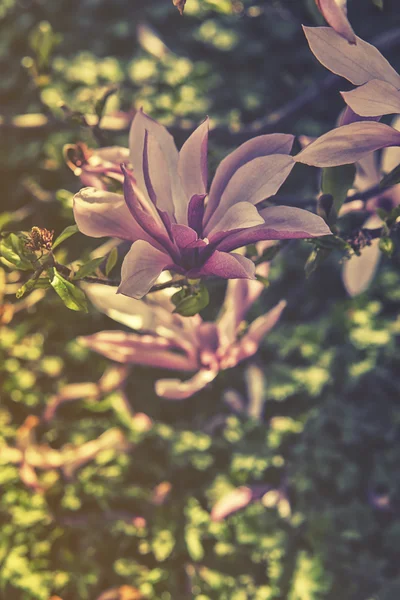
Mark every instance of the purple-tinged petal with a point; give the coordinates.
(373, 99)
(358, 63)
(99, 213)
(335, 13)
(348, 144)
(175, 389)
(192, 164)
(184, 236)
(255, 181)
(359, 271)
(262, 145)
(240, 296)
(129, 348)
(156, 175)
(154, 228)
(141, 268)
(196, 213)
(239, 216)
(258, 329)
(226, 266)
(348, 116)
(281, 223)
(140, 124)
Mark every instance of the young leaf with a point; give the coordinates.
(337, 181)
(386, 246)
(111, 260)
(190, 303)
(13, 250)
(71, 295)
(88, 268)
(317, 256)
(64, 235)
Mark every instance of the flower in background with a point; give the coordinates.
(335, 13)
(363, 65)
(175, 224)
(95, 166)
(359, 271)
(168, 341)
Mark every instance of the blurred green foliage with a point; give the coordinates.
(328, 431)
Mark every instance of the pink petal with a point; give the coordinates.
(129, 348)
(348, 144)
(334, 12)
(258, 329)
(226, 266)
(99, 213)
(373, 99)
(255, 181)
(239, 216)
(142, 123)
(175, 389)
(281, 222)
(358, 63)
(192, 165)
(141, 268)
(156, 175)
(262, 145)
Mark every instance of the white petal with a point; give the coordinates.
(373, 99)
(141, 268)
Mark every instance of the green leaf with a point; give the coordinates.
(386, 245)
(391, 178)
(88, 268)
(13, 250)
(111, 260)
(64, 235)
(190, 302)
(337, 181)
(71, 295)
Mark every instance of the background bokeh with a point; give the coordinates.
(324, 430)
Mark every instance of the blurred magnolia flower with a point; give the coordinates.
(363, 65)
(169, 341)
(335, 13)
(175, 224)
(92, 166)
(359, 271)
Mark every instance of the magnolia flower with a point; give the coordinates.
(359, 271)
(172, 221)
(335, 13)
(169, 341)
(363, 65)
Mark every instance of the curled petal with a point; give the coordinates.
(175, 389)
(141, 268)
(358, 63)
(373, 99)
(99, 213)
(262, 145)
(348, 144)
(130, 348)
(281, 222)
(192, 165)
(226, 266)
(334, 12)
